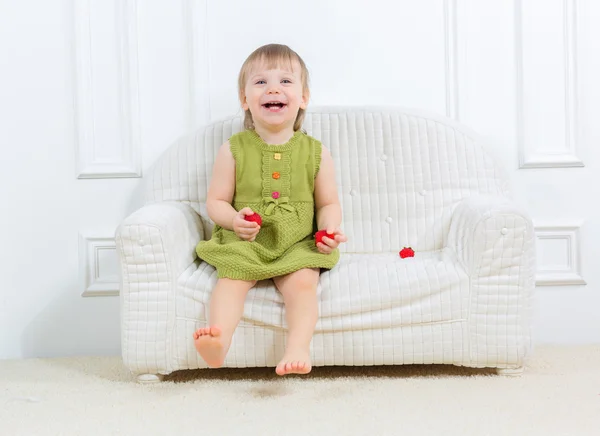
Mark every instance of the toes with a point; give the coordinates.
(207, 331)
(204, 331)
(280, 370)
(292, 367)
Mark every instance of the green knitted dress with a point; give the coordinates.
(277, 182)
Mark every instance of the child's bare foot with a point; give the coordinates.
(294, 362)
(209, 343)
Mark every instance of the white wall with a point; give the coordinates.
(91, 92)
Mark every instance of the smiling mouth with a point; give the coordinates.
(274, 105)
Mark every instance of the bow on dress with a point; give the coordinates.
(280, 202)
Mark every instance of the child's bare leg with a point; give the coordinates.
(226, 309)
(299, 291)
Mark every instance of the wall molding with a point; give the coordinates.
(93, 283)
(529, 155)
(195, 25)
(451, 61)
(129, 163)
(570, 272)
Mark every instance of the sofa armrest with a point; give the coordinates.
(155, 245)
(494, 241)
(491, 235)
(165, 232)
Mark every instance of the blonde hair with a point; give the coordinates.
(273, 55)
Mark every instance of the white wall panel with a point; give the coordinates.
(546, 64)
(98, 264)
(558, 255)
(107, 89)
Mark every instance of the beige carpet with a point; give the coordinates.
(559, 394)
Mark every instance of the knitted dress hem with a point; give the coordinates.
(233, 274)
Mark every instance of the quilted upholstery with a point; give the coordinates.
(406, 178)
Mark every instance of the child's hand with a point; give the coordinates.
(328, 244)
(246, 230)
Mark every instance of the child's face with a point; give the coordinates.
(274, 96)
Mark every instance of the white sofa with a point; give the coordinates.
(406, 178)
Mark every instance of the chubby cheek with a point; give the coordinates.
(252, 98)
(297, 99)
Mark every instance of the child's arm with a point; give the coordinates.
(220, 196)
(327, 203)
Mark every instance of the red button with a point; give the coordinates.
(275, 195)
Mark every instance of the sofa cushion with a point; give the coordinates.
(363, 291)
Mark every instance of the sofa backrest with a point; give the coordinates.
(399, 172)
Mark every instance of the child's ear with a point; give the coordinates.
(244, 101)
(305, 98)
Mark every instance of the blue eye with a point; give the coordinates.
(286, 81)
(260, 82)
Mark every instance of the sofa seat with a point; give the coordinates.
(363, 291)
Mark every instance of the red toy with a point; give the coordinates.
(255, 218)
(320, 234)
(407, 252)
